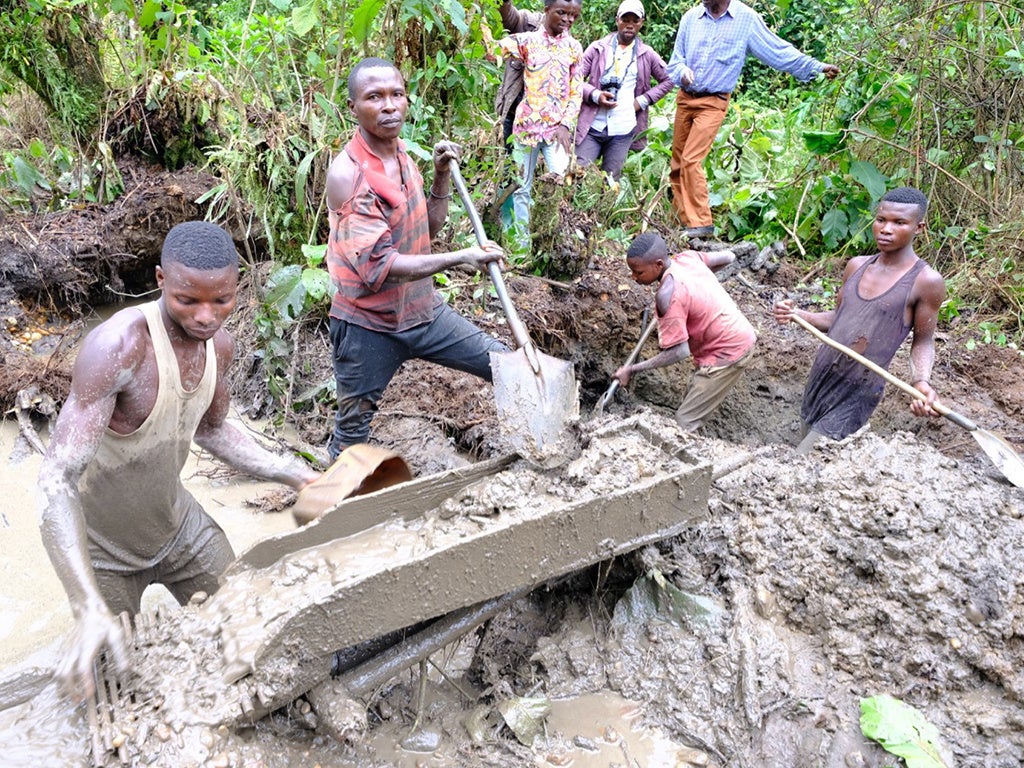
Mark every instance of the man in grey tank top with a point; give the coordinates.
(114, 516)
(883, 298)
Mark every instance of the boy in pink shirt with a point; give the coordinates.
(695, 317)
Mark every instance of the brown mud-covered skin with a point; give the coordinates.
(114, 387)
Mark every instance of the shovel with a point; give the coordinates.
(1001, 452)
(536, 395)
(610, 392)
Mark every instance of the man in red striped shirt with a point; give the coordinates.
(385, 309)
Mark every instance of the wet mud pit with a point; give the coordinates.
(885, 564)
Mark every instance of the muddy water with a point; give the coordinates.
(33, 607)
(46, 729)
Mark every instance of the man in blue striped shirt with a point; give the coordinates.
(711, 48)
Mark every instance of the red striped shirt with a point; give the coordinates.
(366, 236)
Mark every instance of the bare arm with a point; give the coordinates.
(441, 187)
(666, 357)
(922, 349)
(717, 260)
(109, 359)
(236, 448)
(784, 310)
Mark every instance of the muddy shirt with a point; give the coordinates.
(702, 313)
(131, 492)
(841, 394)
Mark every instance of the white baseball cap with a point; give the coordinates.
(630, 6)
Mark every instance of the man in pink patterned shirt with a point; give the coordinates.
(553, 87)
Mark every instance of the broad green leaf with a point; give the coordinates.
(315, 254)
(823, 142)
(317, 284)
(285, 291)
(869, 177)
(305, 17)
(901, 730)
(835, 226)
(28, 176)
(760, 144)
(362, 19)
(149, 12)
(457, 14)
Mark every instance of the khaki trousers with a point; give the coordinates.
(709, 386)
(696, 125)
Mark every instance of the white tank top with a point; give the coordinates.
(131, 491)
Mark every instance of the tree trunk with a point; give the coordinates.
(56, 54)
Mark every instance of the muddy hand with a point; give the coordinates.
(97, 629)
(444, 152)
(623, 375)
(924, 407)
(783, 311)
(484, 254)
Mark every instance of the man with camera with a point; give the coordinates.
(617, 92)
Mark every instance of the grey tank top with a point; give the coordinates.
(841, 394)
(131, 491)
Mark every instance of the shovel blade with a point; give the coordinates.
(1006, 459)
(535, 410)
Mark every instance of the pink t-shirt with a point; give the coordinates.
(703, 314)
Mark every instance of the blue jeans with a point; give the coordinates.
(365, 362)
(611, 149)
(557, 161)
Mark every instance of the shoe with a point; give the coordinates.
(706, 231)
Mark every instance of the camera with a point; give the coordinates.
(611, 85)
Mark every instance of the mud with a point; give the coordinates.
(885, 564)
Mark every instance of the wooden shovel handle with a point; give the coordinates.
(610, 392)
(950, 414)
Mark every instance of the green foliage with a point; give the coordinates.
(52, 178)
(52, 47)
(931, 95)
(901, 730)
(291, 292)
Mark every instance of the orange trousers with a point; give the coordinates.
(698, 119)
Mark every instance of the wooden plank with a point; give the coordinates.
(380, 580)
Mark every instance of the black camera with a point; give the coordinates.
(611, 85)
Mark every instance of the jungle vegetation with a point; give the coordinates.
(932, 94)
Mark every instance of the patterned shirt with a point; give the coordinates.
(716, 49)
(367, 233)
(553, 84)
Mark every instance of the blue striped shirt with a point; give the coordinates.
(716, 49)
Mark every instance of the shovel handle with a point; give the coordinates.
(519, 332)
(956, 418)
(610, 392)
